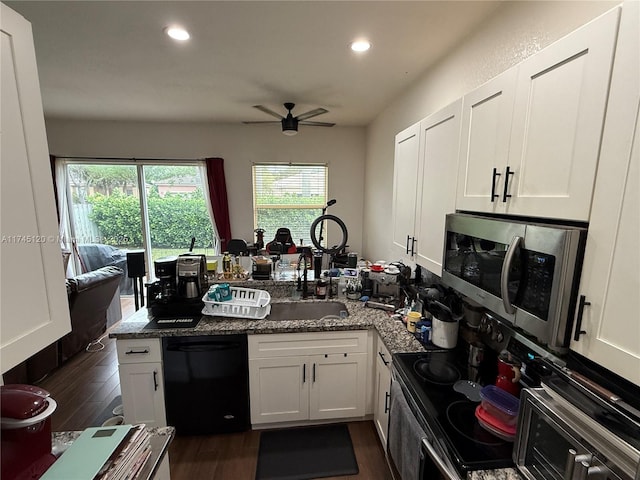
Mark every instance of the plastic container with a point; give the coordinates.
(245, 303)
(495, 426)
(500, 404)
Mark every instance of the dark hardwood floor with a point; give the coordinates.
(89, 382)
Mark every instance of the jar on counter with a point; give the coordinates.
(321, 289)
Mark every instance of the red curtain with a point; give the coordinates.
(52, 164)
(219, 201)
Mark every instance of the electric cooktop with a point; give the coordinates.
(430, 378)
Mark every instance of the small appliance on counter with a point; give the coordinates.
(181, 283)
(261, 268)
(26, 431)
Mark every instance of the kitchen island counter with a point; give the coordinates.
(161, 437)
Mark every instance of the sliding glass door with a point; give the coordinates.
(117, 207)
(177, 211)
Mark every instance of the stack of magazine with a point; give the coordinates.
(104, 453)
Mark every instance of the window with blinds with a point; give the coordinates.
(288, 195)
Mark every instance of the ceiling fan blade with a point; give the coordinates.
(317, 124)
(266, 121)
(264, 109)
(312, 113)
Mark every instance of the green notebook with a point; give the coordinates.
(87, 454)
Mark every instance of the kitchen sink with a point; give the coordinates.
(307, 310)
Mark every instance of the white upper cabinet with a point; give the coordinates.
(484, 143)
(34, 307)
(539, 126)
(607, 327)
(437, 172)
(405, 190)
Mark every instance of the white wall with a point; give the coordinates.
(240, 145)
(517, 30)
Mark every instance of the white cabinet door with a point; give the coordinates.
(279, 389)
(142, 390)
(34, 307)
(338, 386)
(438, 170)
(405, 188)
(610, 279)
(531, 136)
(484, 143)
(383, 393)
(560, 103)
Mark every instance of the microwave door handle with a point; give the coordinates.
(504, 275)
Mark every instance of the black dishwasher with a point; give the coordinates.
(206, 383)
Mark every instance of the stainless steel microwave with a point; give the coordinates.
(527, 273)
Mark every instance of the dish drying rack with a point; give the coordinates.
(246, 303)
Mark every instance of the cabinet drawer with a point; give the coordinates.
(139, 350)
(383, 356)
(295, 344)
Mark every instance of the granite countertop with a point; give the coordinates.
(161, 437)
(501, 474)
(393, 332)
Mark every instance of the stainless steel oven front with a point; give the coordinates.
(434, 463)
(560, 439)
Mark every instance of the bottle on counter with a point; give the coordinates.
(321, 289)
(226, 265)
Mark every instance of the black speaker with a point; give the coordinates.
(135, 264)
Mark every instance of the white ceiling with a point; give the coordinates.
(111, 60)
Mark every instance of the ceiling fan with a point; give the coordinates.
(290, 123)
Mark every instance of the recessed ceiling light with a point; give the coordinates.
(360, 46)
(177, 33)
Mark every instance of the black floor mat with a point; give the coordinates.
(173, 322)
(306, 452)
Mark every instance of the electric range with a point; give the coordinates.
(432, 381)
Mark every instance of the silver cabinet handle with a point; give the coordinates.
(504, 275)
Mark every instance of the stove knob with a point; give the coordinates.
(488, 327)
(498, 336)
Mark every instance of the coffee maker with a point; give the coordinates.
(165, 270)
(191, 271)
(181, 283)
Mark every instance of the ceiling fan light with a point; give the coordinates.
(290, 132)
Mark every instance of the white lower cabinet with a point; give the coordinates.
(141, 381)
(383, 392)
(307, 376)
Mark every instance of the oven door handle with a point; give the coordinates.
(446, 470)
(504, 274)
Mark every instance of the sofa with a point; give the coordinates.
(98, 255)
(90, 295)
